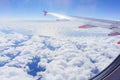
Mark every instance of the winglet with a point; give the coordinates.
(45, 12)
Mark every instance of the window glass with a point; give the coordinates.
(57, 39)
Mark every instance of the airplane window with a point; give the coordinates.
(59, 39)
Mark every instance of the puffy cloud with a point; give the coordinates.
(12, 73)
(54, 58)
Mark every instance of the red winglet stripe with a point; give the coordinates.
(118, 42)
(84, 26)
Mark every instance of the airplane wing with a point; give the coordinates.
(90, 22)
(59, 16)
(109, 24)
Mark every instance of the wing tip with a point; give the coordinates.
(45, 12)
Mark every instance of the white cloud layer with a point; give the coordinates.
(48, 58)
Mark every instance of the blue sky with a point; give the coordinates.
(105, 9)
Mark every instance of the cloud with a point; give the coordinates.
(58, 58)
(12, 73)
